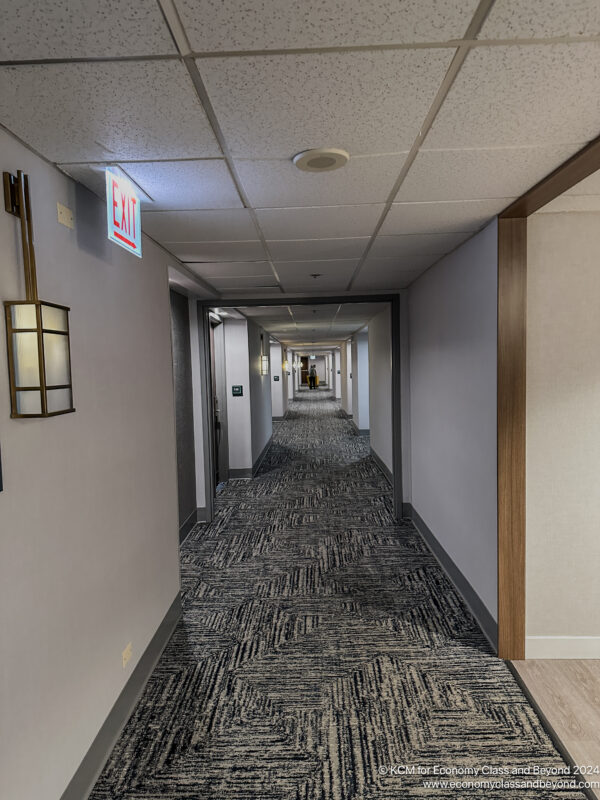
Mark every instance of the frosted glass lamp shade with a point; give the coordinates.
(39, 359)
(264, 365)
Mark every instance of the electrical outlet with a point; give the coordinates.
(65, 216)
(127, 653)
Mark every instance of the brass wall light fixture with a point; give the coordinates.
(37, 332)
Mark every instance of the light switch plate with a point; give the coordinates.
(65, 216)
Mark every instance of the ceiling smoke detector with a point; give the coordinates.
(321, 159)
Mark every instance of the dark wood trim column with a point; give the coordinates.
(512, 308)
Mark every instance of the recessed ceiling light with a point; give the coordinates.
(321, 159)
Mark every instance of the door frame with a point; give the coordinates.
(204, 306)
(512, 380)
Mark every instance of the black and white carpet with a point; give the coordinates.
(321, 647)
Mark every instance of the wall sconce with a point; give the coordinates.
(264, 365)
(285, 366)
(39, 357)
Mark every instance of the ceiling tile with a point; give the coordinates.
(83, 29)
(382, 275)
(81, 112)
(186, 184)
(533, 19)
(334, 275)
(214, 25)
(479, 174)
(443, 217)
(522, 95)
(321, 222)
(279, 183)
(318, 311)
(241, 292)
(359, 311)
(408, 245)
(231, 224)
(230, 268)
(241, 283)
(216, 251)
(306, 249)
(275, 106)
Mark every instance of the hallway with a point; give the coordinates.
(320, 644)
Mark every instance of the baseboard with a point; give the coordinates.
(383, 467)
(345, 414)
(487, 623)
(278, 419)
(89, 770)
(202, 514)
(244, 474)
(358, 430)
(562, 647)
(261, 458)
(187, 526)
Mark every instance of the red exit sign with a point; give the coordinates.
(123, 213)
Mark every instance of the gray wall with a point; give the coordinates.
(405, 397)
(238, 408)
(261, 419)
(89, 546)
(452, 317)
(184, 405)
(380, 386)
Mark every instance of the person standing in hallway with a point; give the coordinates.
(312, 377)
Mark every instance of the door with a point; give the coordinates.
(220, 441)
(304, 370)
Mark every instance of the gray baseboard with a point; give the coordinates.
(89, 770)
(386, 471)
(261, 458)
(486, 622)
(345, 413)
(187, 526)
(199, 515)
(244, 474)
(360, 431)
(278, 419)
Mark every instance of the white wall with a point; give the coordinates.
(88, 516)
(238, 408)
(360, 380)
(452, 317)
(279, 387)
(563, 436)
(260, 392)
(380, 386)
(338, 378)
(346, 362)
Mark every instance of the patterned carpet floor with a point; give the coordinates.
(320, 645)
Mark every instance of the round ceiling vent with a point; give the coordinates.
(321, 159)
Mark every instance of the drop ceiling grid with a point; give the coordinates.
(304, 216)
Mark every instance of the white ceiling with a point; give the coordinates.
(312, 325)
(209, 138)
